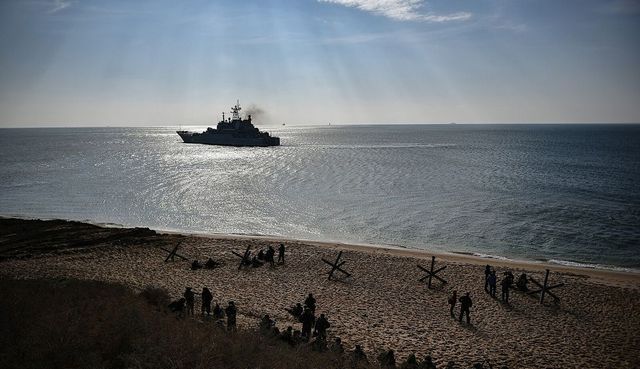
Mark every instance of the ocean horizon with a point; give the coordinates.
(560, 193)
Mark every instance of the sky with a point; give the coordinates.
(157, 63)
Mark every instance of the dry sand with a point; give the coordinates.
(596, 325)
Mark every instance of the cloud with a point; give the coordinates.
(402, 10)
(59, 5)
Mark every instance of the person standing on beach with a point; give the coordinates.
(452, 303)
(487, 272)
(189, 297)
(506, 283)
(322, 324)
(269, 257)
(231, 316)
(308, 320)
(310, 302)
(493, 280)
(465, 305)
(207, 297)
(281, 254)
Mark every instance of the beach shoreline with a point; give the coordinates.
(382, 305)
(606, 273)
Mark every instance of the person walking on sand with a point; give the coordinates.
(465, 305)
(322, 324)
(281, 254)
(487, 272)
(231, 316)
(452, 303)
(207, 297)
(189, 298)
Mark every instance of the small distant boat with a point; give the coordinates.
(234, 131)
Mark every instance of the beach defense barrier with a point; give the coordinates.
(337, 265)
(432, 273)
(544, 288)
(244, 257)
(173, 253)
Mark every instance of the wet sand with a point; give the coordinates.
(596, 324)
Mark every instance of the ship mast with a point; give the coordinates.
(235, 111)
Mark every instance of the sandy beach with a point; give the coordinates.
(382, 306)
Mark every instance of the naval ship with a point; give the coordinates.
(234, 131)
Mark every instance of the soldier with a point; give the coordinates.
(269, 256)
(359, 355)
(189, 297)
(210, 264)
(196, 265)
(428, 363)
(218, 313)
(266, 324)
(177, 306)
(308, 320)
(207, 297)
(296, 311)
(492, 283)
(387, 359)
(487, 271)
(465, 304)
(231, 316)
(322, 324)
(452, 303)
(522, 283)
(287, 336)
(310, 302)
(337, 347)
(281, 254)
(506, 283)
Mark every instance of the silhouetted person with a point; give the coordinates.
(260, 255)
(428, 363)
(210, 264)
(269, 257)
(522, 283)
(410, 363)
(465, 305)
(266, 324)
(387, 359)
(452, 303)
(218, 313)
(359, 355)
(207, 297)
(281, 253)
(287, 336)
(189, 297)
(310, 302)
(177, 306)
(322, 324)
(296, 311)
(493, 280)
(195, 265)
(337, 347)
(231, 316)
(506, 283)
(487, 271)
(308, 320)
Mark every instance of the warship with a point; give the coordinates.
(233, 131)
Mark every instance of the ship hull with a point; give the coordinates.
(228, 140)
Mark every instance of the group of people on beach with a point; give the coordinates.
(185, 307)
(490, 283)
(261, 257)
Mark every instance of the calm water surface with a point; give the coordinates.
(568, 193)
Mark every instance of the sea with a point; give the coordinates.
(565, 194)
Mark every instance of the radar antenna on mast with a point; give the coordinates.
(235, 111)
